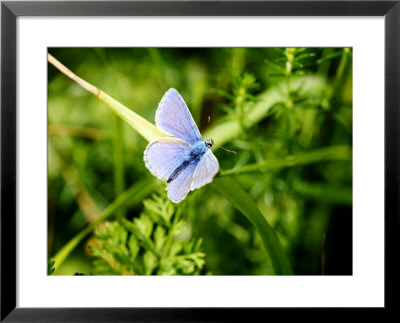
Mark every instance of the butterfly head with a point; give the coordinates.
(209, 143)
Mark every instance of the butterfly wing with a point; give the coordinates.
(174, 118)
(205, 170)
(164, 155)
(180, 186)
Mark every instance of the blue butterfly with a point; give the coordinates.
(186, 161)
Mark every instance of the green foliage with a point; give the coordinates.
(286, 111)
(155, 243)
(242, 201)
(50, 267)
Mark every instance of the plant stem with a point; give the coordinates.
(341, 72)
(146, 129)
(243, 202)
(339, 79)
(76, 131)
(229, 129)
(73, 180)
(119, 181)
(136, 192)
(171, 232)
(324, 193)
(87, 86)
(315, 156)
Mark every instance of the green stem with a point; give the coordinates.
(146, 129)
(243, 202)
(315, 156)
(119, 182)
(341, 73)
(229, 129)
(167, 245)
(171, 233)
(324, 193)
(136, 192)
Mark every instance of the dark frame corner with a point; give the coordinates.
(10, 10)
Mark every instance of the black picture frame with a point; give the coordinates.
(11, 10)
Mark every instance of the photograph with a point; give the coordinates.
(200, 161)
(168, 161)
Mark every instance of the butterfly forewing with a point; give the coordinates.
(174, 118)
(164, 155)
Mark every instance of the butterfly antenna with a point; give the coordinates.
(231, 151)
(209, 120)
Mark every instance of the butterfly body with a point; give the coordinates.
(185, 161)
(195, 157)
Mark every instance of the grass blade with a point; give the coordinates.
(314, 156)
(243, 202)
(135, 193)
(145, 128)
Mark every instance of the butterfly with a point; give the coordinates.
(185, 161)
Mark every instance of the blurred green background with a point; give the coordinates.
(293, 108)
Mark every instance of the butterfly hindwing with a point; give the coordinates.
(180, 186)
(174, 118)
(164, 155)
(205, 170)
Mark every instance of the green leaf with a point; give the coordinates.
(50, 267)
(160, 209)
(142, 228)
(329, 57)
(133, 247)
(159, 238)
(109, 244)
(150, 262)
(146, 129)
(243, 202)
(306, 55)
(133, 195)
(144, 225)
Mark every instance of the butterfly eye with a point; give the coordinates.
(209, 143)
